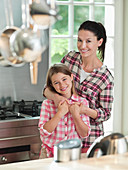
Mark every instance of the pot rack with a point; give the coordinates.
(40, 15)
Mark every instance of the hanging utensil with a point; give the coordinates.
(6, 55)
(34, 64)
(28, 42)
(43, 13)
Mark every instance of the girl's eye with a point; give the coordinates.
(64, 79)
(56, 83)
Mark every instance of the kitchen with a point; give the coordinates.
(11, 83)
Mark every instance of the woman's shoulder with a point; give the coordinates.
(72, 55)
(107, 72)
(104, 74)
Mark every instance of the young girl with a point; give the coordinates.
(65, 121)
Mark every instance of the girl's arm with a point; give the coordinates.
(53, 96)
(81, 128)
(53, 122)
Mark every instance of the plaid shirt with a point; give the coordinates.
(65, 128)
(97, 88)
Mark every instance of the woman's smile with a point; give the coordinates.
(87, 43)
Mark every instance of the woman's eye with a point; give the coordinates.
(79, 40)
(64, 79)
(88, 41)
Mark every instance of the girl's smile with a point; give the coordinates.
(62, 84)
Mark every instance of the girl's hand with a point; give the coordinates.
(75, 109)
(83, 108)
(63, 107)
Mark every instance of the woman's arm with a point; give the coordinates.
(53, 96)
(88, 111)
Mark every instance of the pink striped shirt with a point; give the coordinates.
(65, 128)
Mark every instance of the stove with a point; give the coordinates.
(19, 133)
(20, 109)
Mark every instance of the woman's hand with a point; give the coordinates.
(53, 96)
(58, 99)
(88, 111)
(63, 108)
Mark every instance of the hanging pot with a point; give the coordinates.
(26, 43)
(6, 56)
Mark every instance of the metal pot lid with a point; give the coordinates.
(69, 144)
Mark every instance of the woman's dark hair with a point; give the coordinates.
(99, 31)
(57, 68)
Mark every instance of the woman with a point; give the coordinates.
(93, 80)
(65, 121)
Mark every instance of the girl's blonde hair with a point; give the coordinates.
(58, 68)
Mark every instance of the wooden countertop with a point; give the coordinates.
(111, 162)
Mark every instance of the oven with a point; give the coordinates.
(19, 133)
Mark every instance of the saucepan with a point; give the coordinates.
(67, 150)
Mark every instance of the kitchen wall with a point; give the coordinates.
(120, 118)
(125, 72)
(15, 82)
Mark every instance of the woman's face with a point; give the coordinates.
(62, 84)
(87, 43)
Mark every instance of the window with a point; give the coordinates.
(63, 34)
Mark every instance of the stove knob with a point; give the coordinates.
(3, 159)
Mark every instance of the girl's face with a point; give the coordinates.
(62, 84)
(87, 43)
